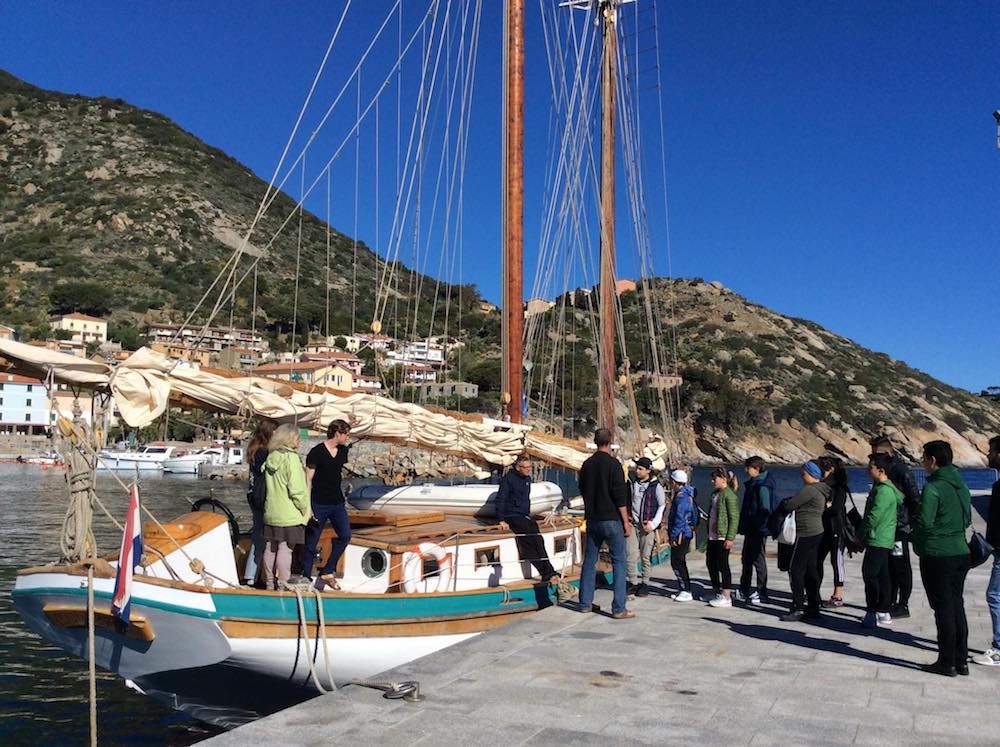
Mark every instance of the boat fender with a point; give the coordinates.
(413, 569)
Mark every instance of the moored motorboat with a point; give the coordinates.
(145, 458)
(466, 499)
(188, 463)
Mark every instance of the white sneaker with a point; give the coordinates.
(989, 658)
(738, 596)
(683, 596)
(754, 598)
(883, 619)
(721, 601)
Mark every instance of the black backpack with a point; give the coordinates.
(257, 495)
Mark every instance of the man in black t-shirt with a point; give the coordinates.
(324, 466)
(605, 504)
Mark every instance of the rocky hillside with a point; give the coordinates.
(758, 382)
(117, 211)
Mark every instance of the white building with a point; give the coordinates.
(417, 352)
(24, 405)
(82, 327)
(7, 333)
(445, 389)
(214, 339)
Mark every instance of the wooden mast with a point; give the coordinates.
(513, 219)
(606, 349)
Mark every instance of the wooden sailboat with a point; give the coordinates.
(413, 580)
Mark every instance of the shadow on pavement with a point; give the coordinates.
(800, 637)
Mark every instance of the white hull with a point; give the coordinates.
(465, 500)
(184, 465)
(118, 464)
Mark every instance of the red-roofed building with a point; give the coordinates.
(351, 362)
(318, 373)
(82, 327)
(418, 373)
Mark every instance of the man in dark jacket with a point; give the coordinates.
(605, 505)
(758, 494)
(991, 657)
(900, 569)
(513, 507)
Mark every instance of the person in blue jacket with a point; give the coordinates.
(681, 521)
(758, 498)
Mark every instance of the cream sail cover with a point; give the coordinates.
(143, 384)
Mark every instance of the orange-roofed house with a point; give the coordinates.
(82, 327)
(317, 373)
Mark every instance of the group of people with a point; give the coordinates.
(625, 516)
(291, 504)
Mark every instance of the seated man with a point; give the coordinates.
(513, 506)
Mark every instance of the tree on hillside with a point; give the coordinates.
(79, 295)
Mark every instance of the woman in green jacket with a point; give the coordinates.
(287, 508)
(943, 517)
(880, 536)
(723, 520)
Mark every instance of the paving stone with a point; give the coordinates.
(677, 672)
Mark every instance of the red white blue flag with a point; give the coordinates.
(128, 558)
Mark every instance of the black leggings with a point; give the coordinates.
(717, 560)
(530, 545)
(900, 577)
(804, 573)
(832, 545)
(875, 570)
(678, 561)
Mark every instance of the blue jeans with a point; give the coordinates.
(336, 514)
(254, 558)
(993, 599)
(613, 533)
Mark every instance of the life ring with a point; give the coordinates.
(413, 569)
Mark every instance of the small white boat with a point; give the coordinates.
(470, 499)
(145, 458)
(45, 459)
(188, 463)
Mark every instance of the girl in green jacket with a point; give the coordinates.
(723, 520)
(880, 535)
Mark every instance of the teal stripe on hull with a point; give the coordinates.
(376, 608)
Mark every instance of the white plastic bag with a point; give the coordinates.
(787, 535)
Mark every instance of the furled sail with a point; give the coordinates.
(143, 385)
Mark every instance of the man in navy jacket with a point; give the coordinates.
(758, 497)
(513, 506)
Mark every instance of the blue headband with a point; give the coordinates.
(813, 469)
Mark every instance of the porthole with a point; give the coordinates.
(373, 563)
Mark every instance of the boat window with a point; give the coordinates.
(373, 563)
(155, 451)
(561, 543)
(431, 568)
(486, 557)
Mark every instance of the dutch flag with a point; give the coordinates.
(131, 552)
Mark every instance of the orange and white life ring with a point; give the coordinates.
(413, 568)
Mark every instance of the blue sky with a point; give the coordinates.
(833, 161)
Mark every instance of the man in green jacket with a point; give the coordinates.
(880, 537)
(939, 539)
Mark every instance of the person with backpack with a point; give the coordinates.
(900, 568)
(803, 572)
(256, 455)
(723, 518)
(648, 500)
(834, 520)
(991, 657)
(880, 536)
(681, 523)
(758, 498)
(939, 530)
